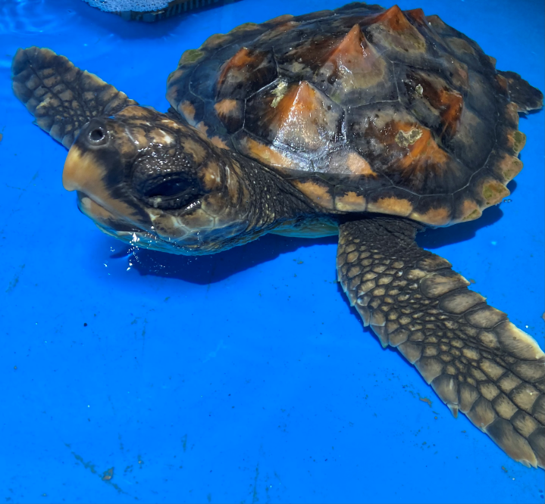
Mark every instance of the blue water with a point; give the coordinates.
(241, 377)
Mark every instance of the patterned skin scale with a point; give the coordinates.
(363, 109)
(341, 122)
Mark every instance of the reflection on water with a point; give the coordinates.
(33, 16)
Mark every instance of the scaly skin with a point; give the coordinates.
(475, 359)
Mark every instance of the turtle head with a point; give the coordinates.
(151, 181)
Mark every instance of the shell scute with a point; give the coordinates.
(298, 116)
(363, 109)
(245, 73)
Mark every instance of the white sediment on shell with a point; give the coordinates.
(128, 5)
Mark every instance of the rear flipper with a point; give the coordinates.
(61, 96)
(475, 359)
(522, 94)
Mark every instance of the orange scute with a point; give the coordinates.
(417, 15)
(354, 61)
(424, 150)
(394, 19)
(300, 101)
(301, 118)
(453, 102)
(353, 51)
(241, 59)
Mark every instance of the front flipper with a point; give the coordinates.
(61, 96)
(476, 360)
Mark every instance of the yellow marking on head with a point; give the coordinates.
(188, 111)
(434, 216)
(159, 136)
(135, 111)
(211, 176)
(218, 142)
(350, 202)
(234, 180)
(391, 206)
(83, 173)
(138, 136)
(317, 193)
(202, 129)
(195, 149)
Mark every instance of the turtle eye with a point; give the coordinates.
(97, 136)
(169, 188)
(171, 193)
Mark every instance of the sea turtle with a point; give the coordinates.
(365, 122)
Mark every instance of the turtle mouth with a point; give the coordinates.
(104, 219)
(112, 225)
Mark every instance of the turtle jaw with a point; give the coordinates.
(84, 173)
(201, 230)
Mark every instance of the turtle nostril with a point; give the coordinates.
(96, 135)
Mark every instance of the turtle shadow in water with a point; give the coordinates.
(208, 269)
(436, 238)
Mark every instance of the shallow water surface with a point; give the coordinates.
(132, 375)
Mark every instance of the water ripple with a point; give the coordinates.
(33, 16)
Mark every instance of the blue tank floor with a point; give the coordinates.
(245, 376)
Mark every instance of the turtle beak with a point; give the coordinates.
(84, 173)
(80, 171)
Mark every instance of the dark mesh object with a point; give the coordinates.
(174, 8)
